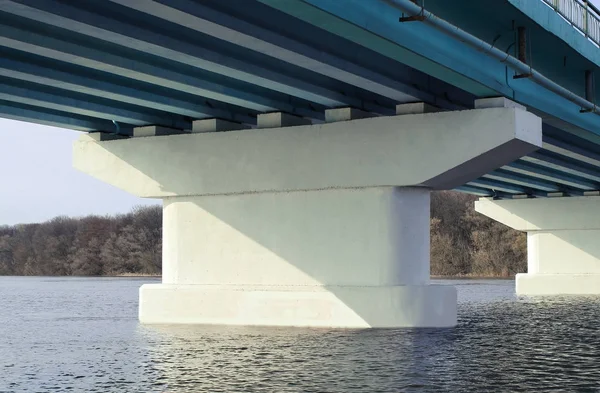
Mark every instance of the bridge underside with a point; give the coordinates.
(111, 66)
(306, 225)
(346, 114)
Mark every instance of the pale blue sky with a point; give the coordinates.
(38, 182)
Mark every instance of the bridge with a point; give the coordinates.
(295, 142)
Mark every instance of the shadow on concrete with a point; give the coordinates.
(302, 243)
(586, 241)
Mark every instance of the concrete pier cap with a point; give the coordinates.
(310, 224)
(563, 251)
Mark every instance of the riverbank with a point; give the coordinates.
(463, 244)
(141, 275)
(134, 275)
(471, 277)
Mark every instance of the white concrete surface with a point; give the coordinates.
(496, 102)
(324, 252)
(280, 119)
(413, 108)
(362, 237)
(147, 131)
(216, 125)
(563, 247)
(317, 306)
(437, 150)
(557, 284)
(543, 214)
(345, 114)
(320, 225)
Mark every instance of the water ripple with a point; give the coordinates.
(80, 336)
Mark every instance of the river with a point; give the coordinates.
(82, 335)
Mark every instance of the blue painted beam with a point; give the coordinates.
(496, 185)
(565, 132)
(80, 104)
(126, 93)
(557, 176)
(15, 111)
(522, 180)
(322, 42)
(151, 42)
(196, 16)
(564, 164)
(374, 24)
(130, 67)
(572, 151)
(483, 192)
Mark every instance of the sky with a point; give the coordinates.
(37, 181)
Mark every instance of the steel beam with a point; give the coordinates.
(554, 161)
(150, 42)
(522, 180)
(133, 68)
(73, 82)
(496, 185)
(82, 105)
(542, 172)
(483, 192)
(572, 151)
(14, 111)
(195, 16)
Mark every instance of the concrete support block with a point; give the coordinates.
(497, 102)
(557, 284)
(563, 251)
(156, 131)
(280, 119)
(414, 108)
(330, 307)
(346, 114)
(216, 125)
(336, 258)
(362, 237)
(437, 150)
(320, 225)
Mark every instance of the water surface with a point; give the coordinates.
(82, 335)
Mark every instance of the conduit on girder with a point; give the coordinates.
(427, 17)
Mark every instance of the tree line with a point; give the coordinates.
(463, 242)
(88, 246)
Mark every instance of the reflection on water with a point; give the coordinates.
(82, 335)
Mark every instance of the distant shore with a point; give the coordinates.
(464, 244)
(435, 277)
(142, 275)
(471, 277)
(136, 275)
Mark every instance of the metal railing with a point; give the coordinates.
(582, 15)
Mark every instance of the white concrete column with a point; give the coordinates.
(339, 257)
(563, 247)
(362, 237)
(306, 225)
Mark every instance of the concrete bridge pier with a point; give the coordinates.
(306, 225)
(563, 247)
